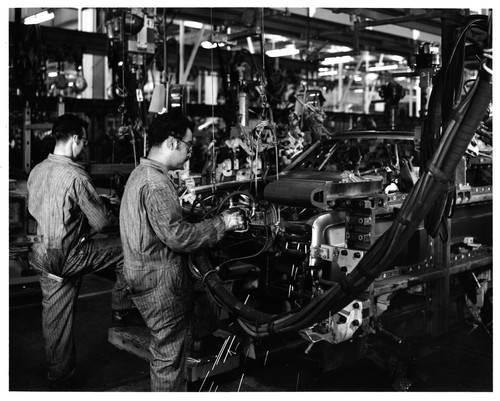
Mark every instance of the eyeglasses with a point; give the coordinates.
(188, 144)
(85, 141)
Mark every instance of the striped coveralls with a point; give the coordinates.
(156, 241)
(66, 206)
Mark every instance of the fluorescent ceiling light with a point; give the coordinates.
(337, 60)
(338, 49)
(209, 45)
(38, 18)
(384, 67)
(327, 73)
(285, 51)
(274, 38)
(189, 24)
(193, 24)
(395, 57)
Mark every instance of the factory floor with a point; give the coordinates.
(460, 362)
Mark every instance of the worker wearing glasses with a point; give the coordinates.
(156, 243)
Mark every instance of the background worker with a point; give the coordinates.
(156, 242)
(66, 207)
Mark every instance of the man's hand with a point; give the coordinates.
(234, 219)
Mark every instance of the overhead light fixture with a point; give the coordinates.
(206, 44)
(189, 24)
(338, 49)
(337, 60)
(394, 57)
(327, 73)
(283, 52)
(274, 38)
(38, 18)
(384, 67)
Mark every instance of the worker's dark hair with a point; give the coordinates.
(66, 126)
(173, 123)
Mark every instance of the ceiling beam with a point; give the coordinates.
(88, 42)
(385, 27)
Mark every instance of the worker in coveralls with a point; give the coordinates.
(156, 242)
(68, 210)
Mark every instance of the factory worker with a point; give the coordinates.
(156, 242)
(68, 210)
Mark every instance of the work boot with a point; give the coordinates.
(74, 383)
(68, 382)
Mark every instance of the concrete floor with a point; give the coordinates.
(460, 362)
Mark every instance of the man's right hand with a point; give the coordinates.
(234, 219)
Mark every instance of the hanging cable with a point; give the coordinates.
(212, 178)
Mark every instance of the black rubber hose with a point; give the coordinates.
(217, 286)
(382, 253)
(432, 130)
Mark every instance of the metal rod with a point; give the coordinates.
(203, 381)
(228, 349)
(241, 381)
(193, 54)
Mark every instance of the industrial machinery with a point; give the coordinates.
(357, 243)
(366, 241)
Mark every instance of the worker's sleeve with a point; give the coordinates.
(91, 204)
(165, 216)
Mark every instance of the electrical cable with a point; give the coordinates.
(214, 161)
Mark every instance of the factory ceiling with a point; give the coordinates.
(377, 36)
(314, 31)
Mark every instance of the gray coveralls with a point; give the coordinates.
(66, 206)
(156, 240)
